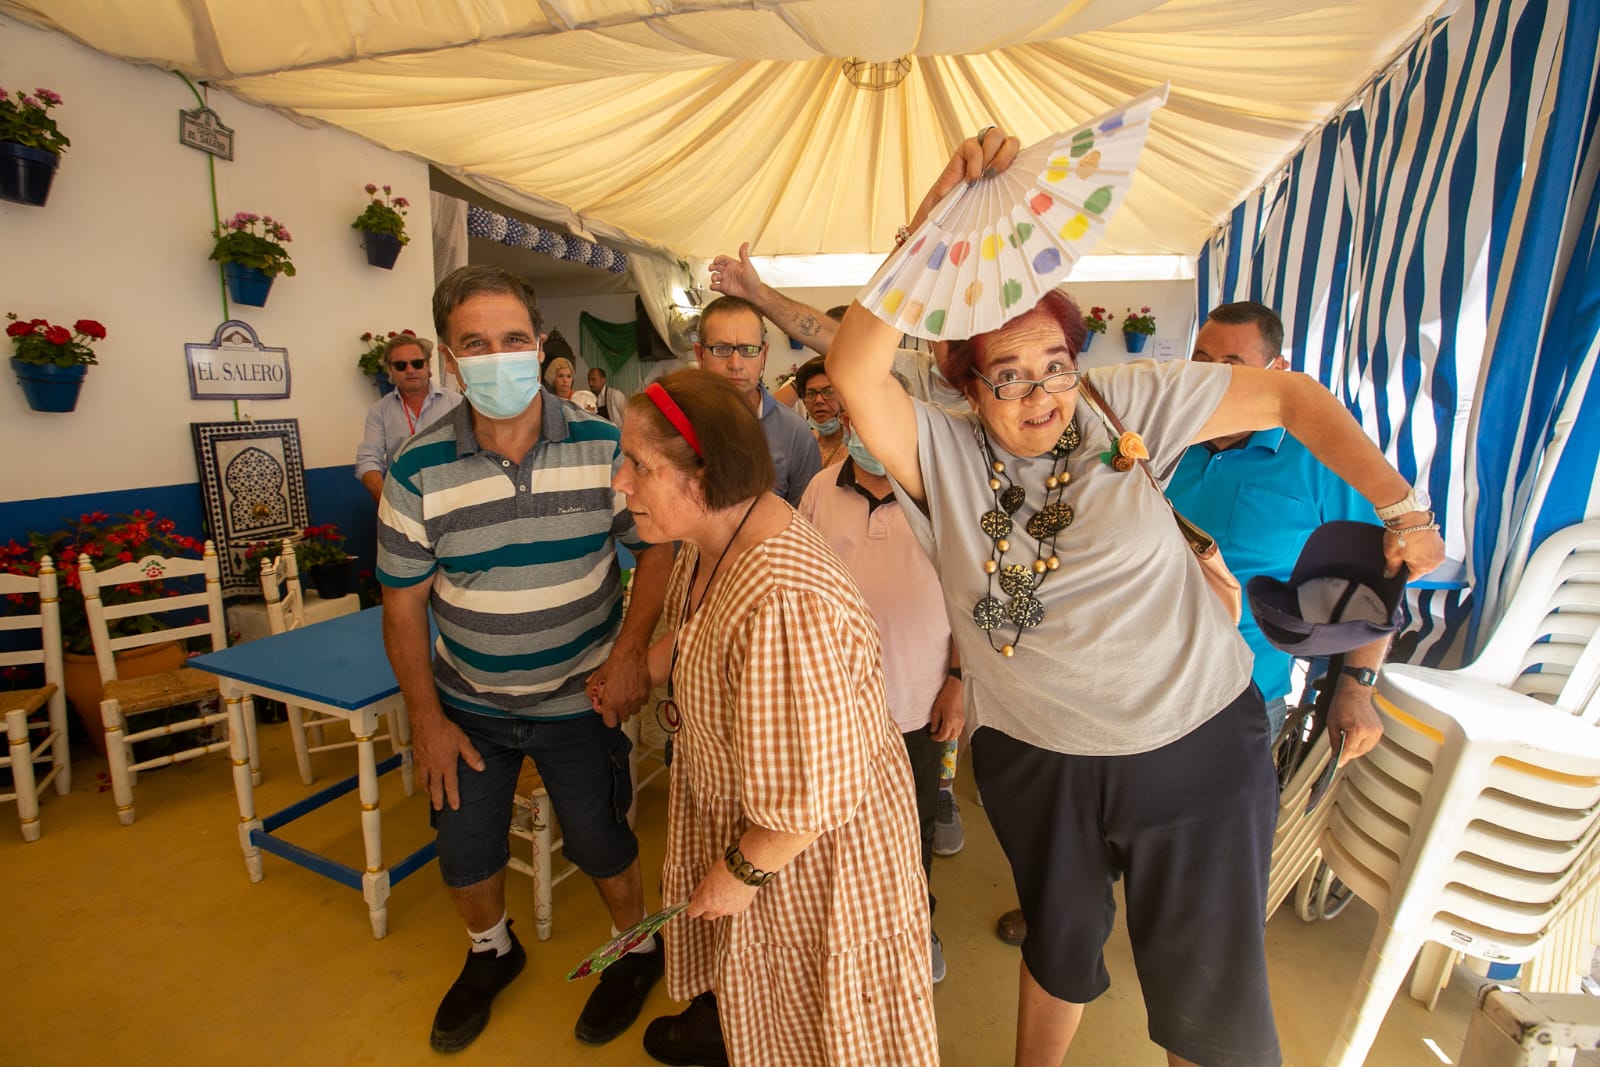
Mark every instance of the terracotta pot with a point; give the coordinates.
(84, 688)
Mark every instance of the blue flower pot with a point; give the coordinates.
(382, 249)
(1135, 341)
(385, 384)
(49, 387)
(26, 173)
(1088, 341)
(246, 285)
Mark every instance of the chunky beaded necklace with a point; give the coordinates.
(1020, 581)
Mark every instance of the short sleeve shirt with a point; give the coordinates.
(794, 449)
(898, 583)
(1134, 650)
(1260, 501)
(527, 593)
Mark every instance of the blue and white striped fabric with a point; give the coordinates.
(1382, 244)
(1537, 421)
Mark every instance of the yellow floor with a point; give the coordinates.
(149, 945)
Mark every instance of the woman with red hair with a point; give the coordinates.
(1117, 732)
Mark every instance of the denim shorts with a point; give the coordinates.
(584, 764)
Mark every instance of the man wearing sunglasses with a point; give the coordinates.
(414, 403)
(733, 343)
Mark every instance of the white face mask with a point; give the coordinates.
(826, 429)
(500, 385)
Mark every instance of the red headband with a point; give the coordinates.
(669, 407)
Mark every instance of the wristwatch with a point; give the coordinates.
(1363, 675)
(1415, 500)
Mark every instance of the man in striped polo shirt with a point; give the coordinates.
(500, 519)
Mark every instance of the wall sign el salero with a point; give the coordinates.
(237, 366)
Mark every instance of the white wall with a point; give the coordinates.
(124, 239)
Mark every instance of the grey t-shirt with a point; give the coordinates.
(1134, 650)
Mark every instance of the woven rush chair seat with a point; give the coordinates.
(26, 701)
(126, 700)
(156, 691)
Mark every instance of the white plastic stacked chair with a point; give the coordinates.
(280, 586)
(1472, 824)
(1296, 845)
(22, 752)
(136, 696)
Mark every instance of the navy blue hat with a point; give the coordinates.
(1336, 600)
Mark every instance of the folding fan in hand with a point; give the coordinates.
(992, 249)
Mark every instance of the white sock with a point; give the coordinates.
(497, 937)
(644, 948)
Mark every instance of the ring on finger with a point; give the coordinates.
(982, 134)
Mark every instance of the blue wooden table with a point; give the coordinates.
(337, 667)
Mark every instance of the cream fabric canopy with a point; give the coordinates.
(693, 125)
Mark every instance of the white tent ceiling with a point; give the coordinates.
(698, 124)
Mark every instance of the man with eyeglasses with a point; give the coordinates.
(414, 404)
(737, 276)
(733, 343)
(823, 409)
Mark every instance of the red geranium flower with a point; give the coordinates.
(58, 335)
(17, 329)
(90, 328)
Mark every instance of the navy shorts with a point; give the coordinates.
(584, 764)
(1189, 828)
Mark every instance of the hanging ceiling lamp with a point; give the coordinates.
(876, 77)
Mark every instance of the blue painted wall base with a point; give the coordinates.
(332, 495)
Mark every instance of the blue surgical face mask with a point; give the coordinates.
(858, 452)
(500, 385)
(826, 429)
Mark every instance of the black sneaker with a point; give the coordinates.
(692, 1038)
(616, 1001)
(464, 1011)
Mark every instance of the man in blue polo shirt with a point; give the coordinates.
(733, 343)
(1260, 495)
(500, 521)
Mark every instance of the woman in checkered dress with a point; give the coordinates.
(791, 829)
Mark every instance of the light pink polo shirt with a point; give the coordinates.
(898, 582)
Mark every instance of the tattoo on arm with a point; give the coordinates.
(808, 326)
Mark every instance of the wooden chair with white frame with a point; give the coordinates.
(280, 586)
(17, 705)
(136, 696)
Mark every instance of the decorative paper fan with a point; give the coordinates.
(619, 946)
(992, 249)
